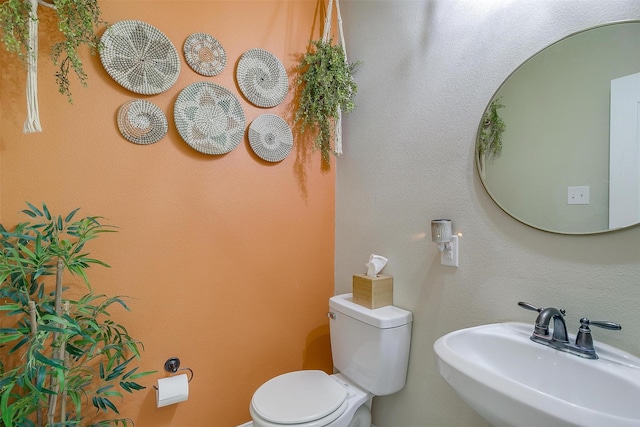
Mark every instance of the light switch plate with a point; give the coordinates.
(578, 195)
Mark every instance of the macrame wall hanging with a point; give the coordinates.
(32, 124)
(326, 37)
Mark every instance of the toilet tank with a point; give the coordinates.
(370, 347)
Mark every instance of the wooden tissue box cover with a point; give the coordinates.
(372, 292)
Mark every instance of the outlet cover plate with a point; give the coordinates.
(450, 258)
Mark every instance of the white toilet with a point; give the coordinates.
(371, 352)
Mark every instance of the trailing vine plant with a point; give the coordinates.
(325, 86)
(77, 21)
(60, 352)
(490, 138)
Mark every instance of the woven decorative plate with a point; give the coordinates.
(139, 57)
(262, 78)
(204, 54)
(209, 118)
(142, 122)
(270, 137)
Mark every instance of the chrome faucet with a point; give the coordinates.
(541, 329)
(559, 339)
(559, 326)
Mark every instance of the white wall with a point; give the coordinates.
(429, 69)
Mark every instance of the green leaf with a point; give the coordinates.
(10, 337)
(46, 212)
(61, 320)
(41, 377)
(19, 344)
(103, 389)
(130, 386)
(47, 361)
(71, 214)
(4, 382)
(34, 209)
(108, 403)
(31, 214)
(76, 399)
(5, 408)
(142, 374)
(97, 402)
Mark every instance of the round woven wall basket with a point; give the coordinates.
(209, 118)
(142, 122)
(204, 54)
(139, 57)
(270, 137)
(262, 78)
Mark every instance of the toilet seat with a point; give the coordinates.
(304, 398)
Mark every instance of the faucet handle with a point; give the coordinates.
(532, 307)
(528, 306)
(584, 340)
(584, 322)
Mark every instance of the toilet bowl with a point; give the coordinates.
(370, 350)
(310, 399)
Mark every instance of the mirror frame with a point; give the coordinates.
(482, 120)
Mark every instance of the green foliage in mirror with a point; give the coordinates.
(325, 86)
(490, 139)
(60, 352)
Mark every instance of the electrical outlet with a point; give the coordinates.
(578, 195)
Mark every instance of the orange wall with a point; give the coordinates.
(228, 259)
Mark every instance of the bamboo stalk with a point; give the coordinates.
(63, 402)
(34, 332)
(57, 351)
(59, 271)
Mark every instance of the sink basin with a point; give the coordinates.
(512, 381)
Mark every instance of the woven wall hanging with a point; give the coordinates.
(142, 122)
(262, 78)
(270, 137)
(209, 118)
(204, 54)
(139, 57)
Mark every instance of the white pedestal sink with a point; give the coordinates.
(513, 382)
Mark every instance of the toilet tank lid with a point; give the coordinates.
(383, 317)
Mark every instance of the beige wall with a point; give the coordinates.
(429, 70)
(228, 259)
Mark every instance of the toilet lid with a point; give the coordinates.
(298, 397)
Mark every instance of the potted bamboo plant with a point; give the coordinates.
(62, 353)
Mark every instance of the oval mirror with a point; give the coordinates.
(558, 147)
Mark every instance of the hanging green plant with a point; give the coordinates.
(61, 353)
(76, 20)
(326, 87)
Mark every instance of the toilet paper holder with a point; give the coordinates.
(172, 365)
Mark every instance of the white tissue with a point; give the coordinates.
(172, 390)
(375, 265)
